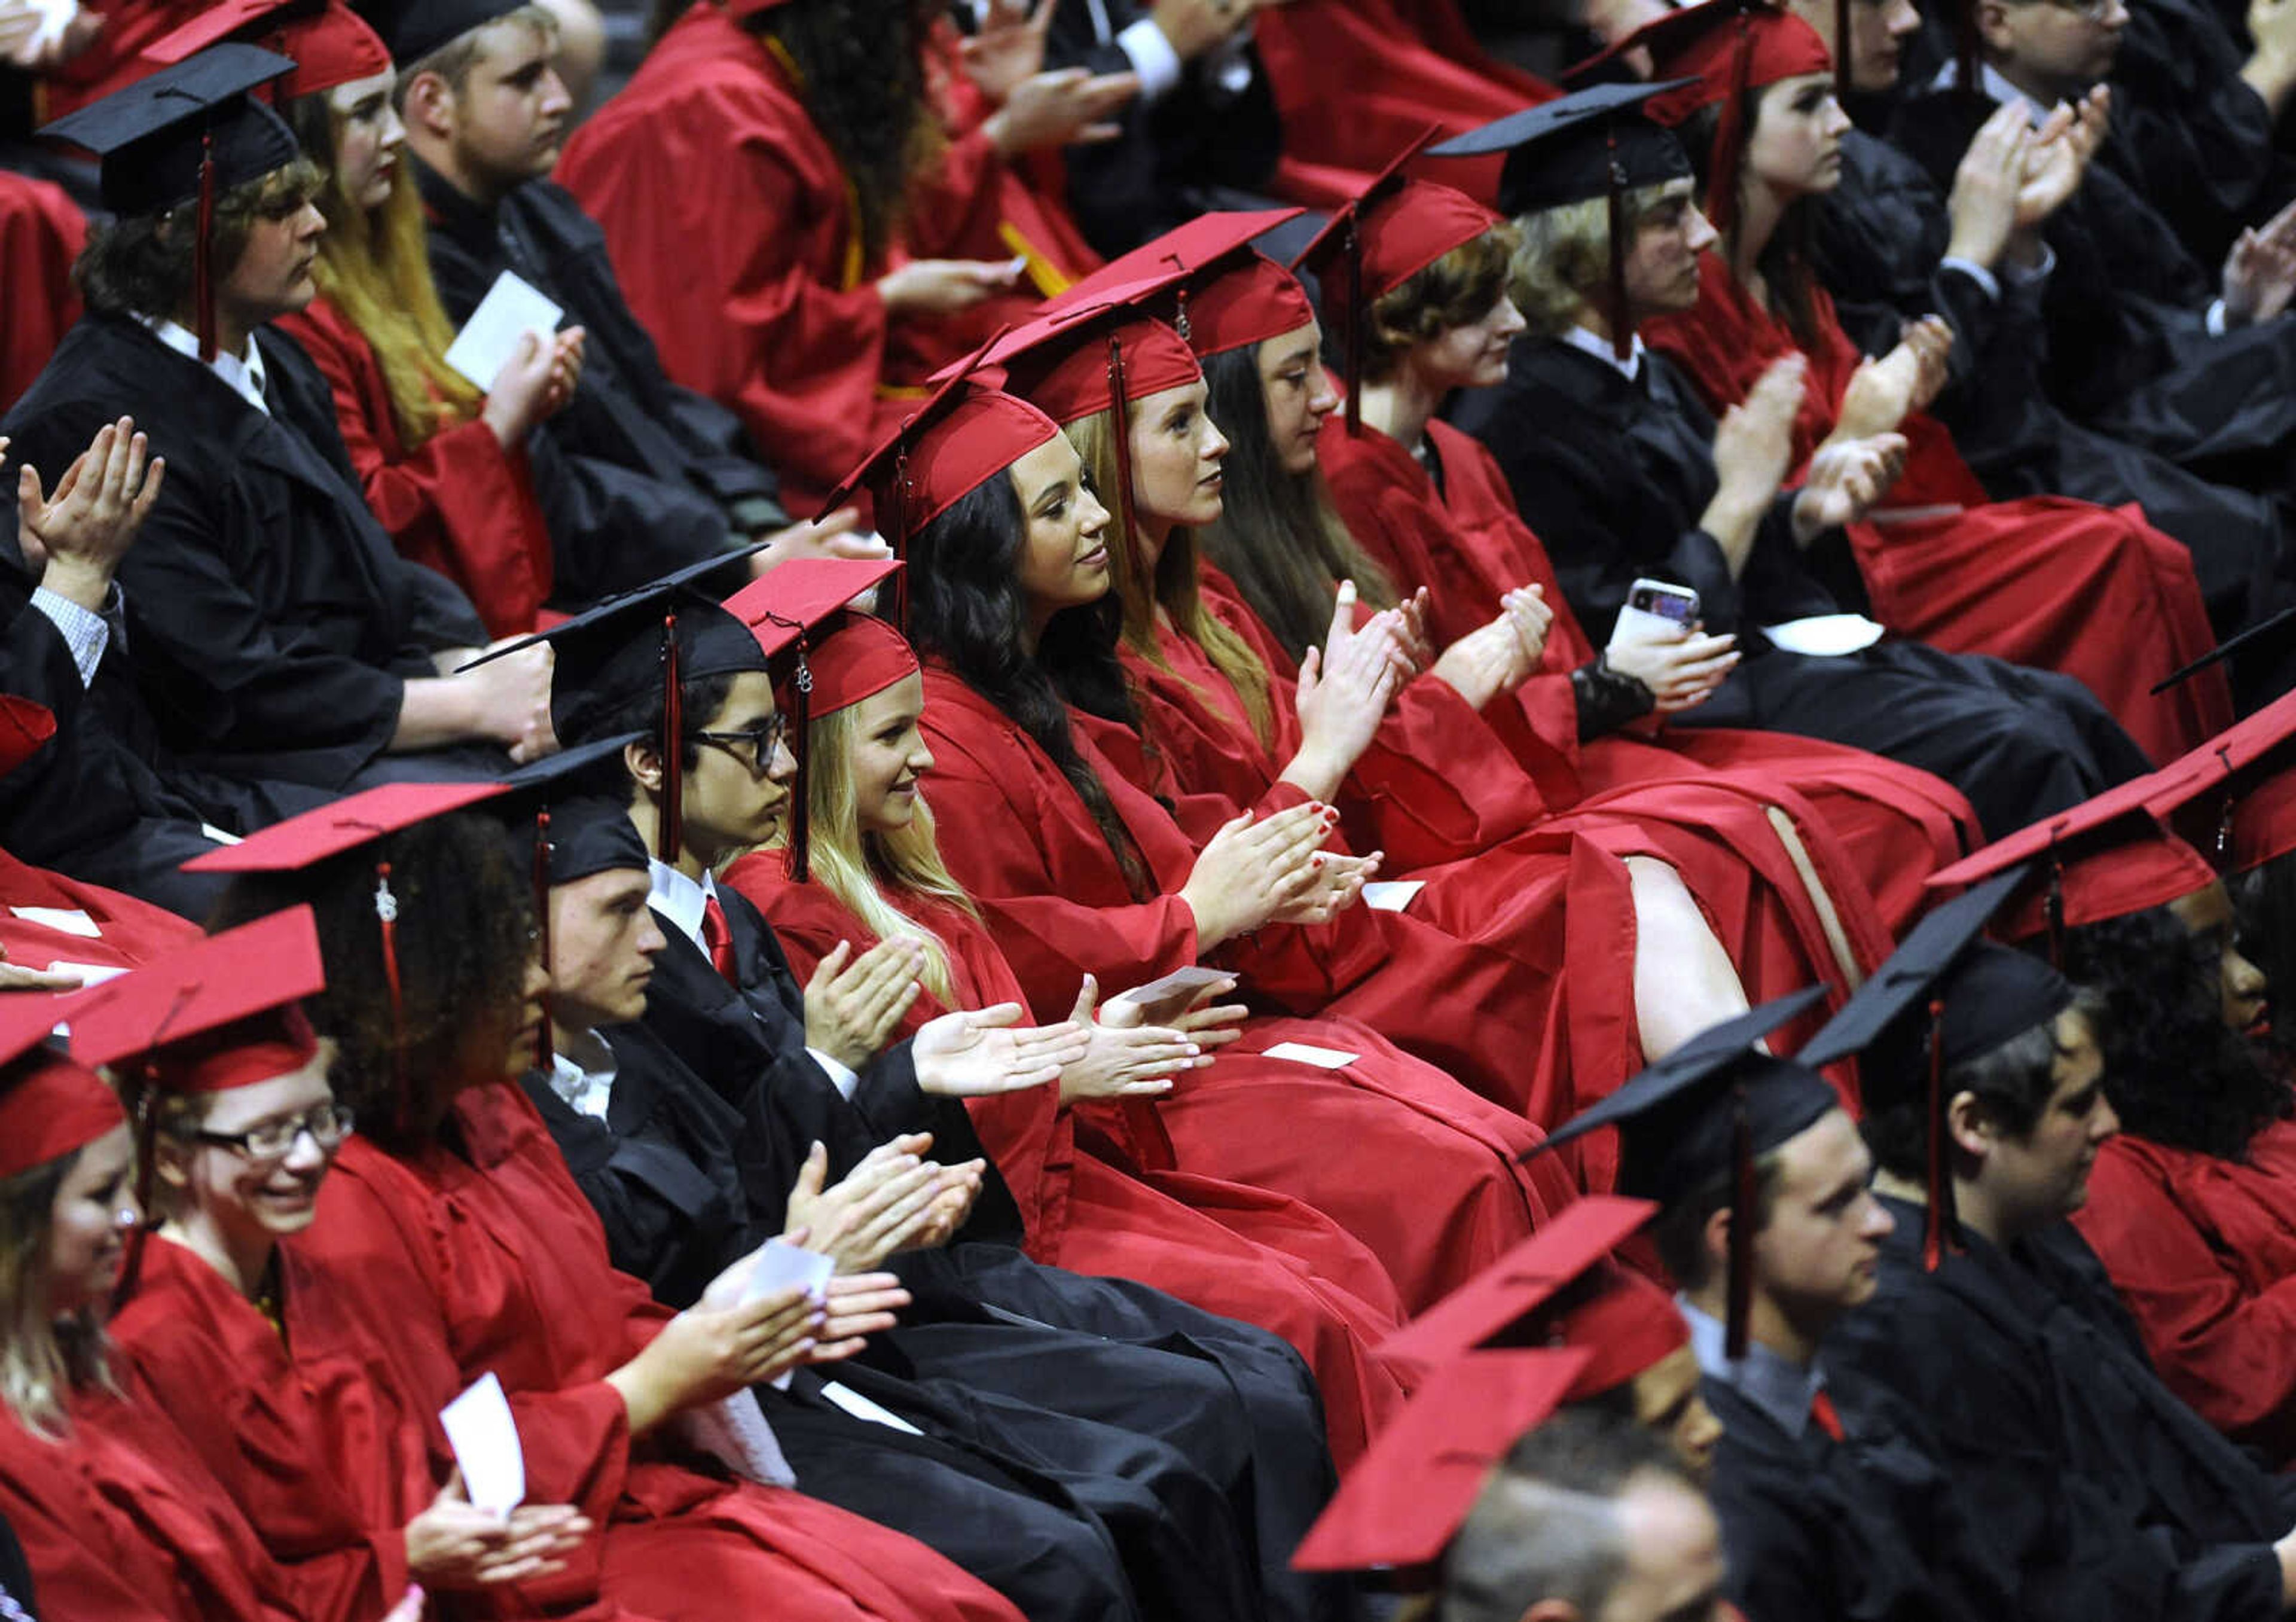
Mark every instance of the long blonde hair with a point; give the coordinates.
(374, 265)
(1174, 587)
(859, 869)
(41, 1356)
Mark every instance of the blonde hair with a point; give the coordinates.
(1175, 586)
(374, 265)
(858, 868)
(1562, 257)
(41, 1357)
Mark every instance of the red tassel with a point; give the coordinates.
(893, 519)
(1744, 1198)
(147, 1180)
(670, 828)
(1356, 315)
(800, 839)
(1940, 1185)
(203, 254)
(542, 1048)
(2052, 910)
(1120, 436)
(386, 913)
(1622, 330)
(1729, 136)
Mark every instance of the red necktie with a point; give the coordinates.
(718, 939)
(1821, 1411)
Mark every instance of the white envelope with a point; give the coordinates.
(69, 920)
(1306, 1053)
(1825, 634)
(781, 1264)
(485, 1438)
(511, 309)
(1391, 894)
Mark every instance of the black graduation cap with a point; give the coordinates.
(668, 632)
(567, 822)
(1944, 997)
(1702, 1114)
(1594, 142)
(414, 29)
(181, 136)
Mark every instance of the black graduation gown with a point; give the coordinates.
(2129, 351)
(661, 1171)
(1879, 243)
(2079, 1537)
(985, 1317)
(1176, 154)
(272, 627)
(1613, 476)
(638, 476)
(1860, 1530)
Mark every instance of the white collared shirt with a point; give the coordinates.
(1598, 345)
(242, 373)
(587, 1088)
(680, 901)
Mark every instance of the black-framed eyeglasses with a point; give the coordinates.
(759, 741)
(329, 1125)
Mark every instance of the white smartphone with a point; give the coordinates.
(1656, 611)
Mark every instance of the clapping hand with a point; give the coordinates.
(73, 541)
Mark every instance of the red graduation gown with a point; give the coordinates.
(733, 232)
(496, 1263)
(41, 232)
(128, 932)
(115, 58)
(461, 503)
(1056, 902)
(120, 1521)
(1467, 544)
(2203, 1253)
(1099, 1195)
(2096, 593)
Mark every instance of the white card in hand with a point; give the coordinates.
(1306, 1053)
(485, 1440)
(1391, 894)
(65, 920)
(781, 1264)
(511, 309)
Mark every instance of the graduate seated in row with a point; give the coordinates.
(274, 632)
(801, 234)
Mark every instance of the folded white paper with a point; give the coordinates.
(485, 1440)
(781, 1264)
(1825, 634)
(861, 1408)
(1391, 894)
(69, 920)
(511, 309)
(90, 974)
(1306, 1053)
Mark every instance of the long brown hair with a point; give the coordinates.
(41, 1357)
(374, 265)
(1175, 587)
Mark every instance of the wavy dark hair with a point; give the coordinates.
(861, 74)
(2174, 1073)
(2013, 1082)
(144, 265)
(1787, 259)
(966, 606)
(1454, 291)
(1278, 536)
(464, 935)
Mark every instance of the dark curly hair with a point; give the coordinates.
(861, 74)
(144, 266)
(1456, 291)
(1277, 536)
(2174, 1073)
(2013, 1082)
(703, 698)
(965, 605)
(464, 936)
(1786, 258)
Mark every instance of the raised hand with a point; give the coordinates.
(709, 1350)
(1066, 107)
(453, 1543)
(1008, 48)
(73, 541)
(1984, 205)
(1846, 478)
(1250, 869)
(2260, 273)
(1883, 394)
(870, 1212)
(834, 534)
(1337, 884)
(853, 1005)
(855, 1309)
(944, 287)
(1345, 687)
(1753, 443)
(978, 1053)
(2057, 159)
(536, 383)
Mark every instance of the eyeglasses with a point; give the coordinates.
(329, 1125)
(759, 741)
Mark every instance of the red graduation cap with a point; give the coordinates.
(1379, 240)
(1412, 1489)
(24, 727)
(1726, 48)
(965, 433)
(216, 1014)
(1216, 290)
(331, 44)
(2230, 797)
(2105, 857)
(1557, 1287)
(783, 609)
(50, 1104)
